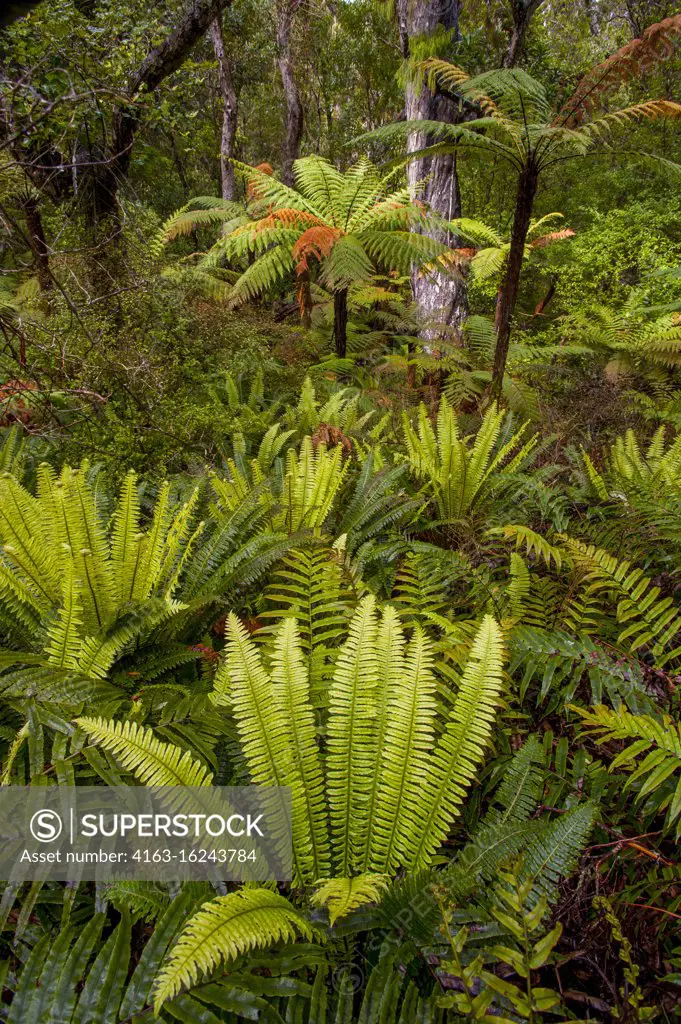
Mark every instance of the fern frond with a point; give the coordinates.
(224, 929)
(142, 753)
(343, 895)
(659, 740)
(352, 704)
(461, 747)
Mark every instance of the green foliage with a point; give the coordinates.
(459, 474)
(652, 778)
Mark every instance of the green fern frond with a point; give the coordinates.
(276, 727)
(553, 854)
(63, 635)
(352, 707)
(658, 739)
(649, 620)
(142, 753)
(224, 929)
(343, 895)
(461, 747)
(406, 744)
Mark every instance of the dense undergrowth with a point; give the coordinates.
(502, 629)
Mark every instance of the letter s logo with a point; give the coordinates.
(46, 826)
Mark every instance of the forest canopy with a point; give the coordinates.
(340, 452)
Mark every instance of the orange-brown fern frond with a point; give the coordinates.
(551, 237)
(252, 190)
(317, 242)
(293, 218)
(631, 61)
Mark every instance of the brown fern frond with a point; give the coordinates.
(285, 217)
(629, 62)
(551, 237)
(317, 241)
(327, 434)
(252, 190)
(293, 218)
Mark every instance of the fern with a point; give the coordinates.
(352, 707)
(276, 728)
(659, 740)
(141, 752)
(458, 475)
(652, 621)
(224, 929)
(461, 747)
(343, 895)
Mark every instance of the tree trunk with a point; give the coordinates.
(230, 111)
(527, 189)
(440, 299)
(41, 253)
(522, 11)
(340, 321)
(592, 15)
(157, 65)
(290, 148)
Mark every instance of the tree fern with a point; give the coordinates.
(347, 225)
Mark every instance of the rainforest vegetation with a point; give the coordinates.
(340, 413)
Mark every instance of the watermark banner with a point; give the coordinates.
(153, 833)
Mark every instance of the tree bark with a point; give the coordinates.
(440, 298)
(340, 321)
(157, 65)
(39, 247)
(290, 147)
(527, 190)
(16, 9)
(592, 15)
(230, 111)
(543, 303)
(522, 12)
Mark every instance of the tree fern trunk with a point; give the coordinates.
(527, 189)
(304, 295)
(340, 321)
